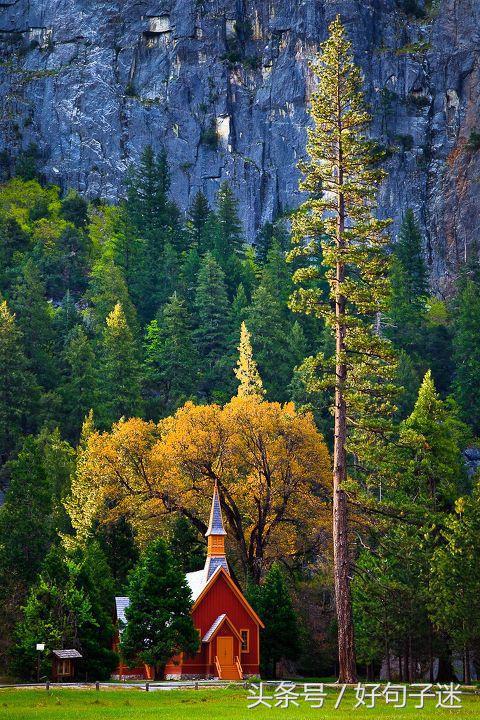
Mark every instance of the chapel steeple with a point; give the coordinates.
(215, 537)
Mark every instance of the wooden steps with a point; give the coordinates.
(230, 672)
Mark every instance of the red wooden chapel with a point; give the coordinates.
(228, 626)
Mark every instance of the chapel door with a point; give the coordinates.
(225, 650)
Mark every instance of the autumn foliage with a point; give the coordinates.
(271, 465)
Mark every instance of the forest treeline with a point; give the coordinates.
(134, 310)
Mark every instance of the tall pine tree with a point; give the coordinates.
(341, 179)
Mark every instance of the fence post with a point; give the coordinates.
(196, 685)
(245, 685)
(47, 686)
(147, 687)
(97, 685)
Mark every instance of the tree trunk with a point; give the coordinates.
(430, 655)
(406, 667)
(388, 658)
(411, 674)
(467, 678)
(341, 558)
(445, 670)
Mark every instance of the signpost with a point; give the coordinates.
(40, 648)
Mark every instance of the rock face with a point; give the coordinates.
(223, 85)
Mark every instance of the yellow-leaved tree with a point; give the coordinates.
(271, 465)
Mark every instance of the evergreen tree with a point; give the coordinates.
(433, 437)
(35, 319)
(266, 320)
(30, 518)
(14, 242)
(70, 605)
(409, 381)
(409, 289)
(249, 272)
(79, 388)
(117, 540)
(455, 579)
(148, 185)
(159, 624)
(16, 386)
(66, 318)
(238, 311)
(75, 209)
(276, 275)
(155, 220)
(188, 276)
(32, 512)
(171, 363)
(119, 377)
(268, 235)
(55, 611)
(409, 252)
(297, 343)
(94, 578)
(467, 351)
(211, 236)
(168, 280)
(26, 166)
(341, 178)
(230, 240)
(390, 595)
(250, 382)
(64, 263)
(211, 305)
(106, 288)
(187, 546)
(280, 638)
(114, 240)
(197, 217)
(227, 241)
(438, 344)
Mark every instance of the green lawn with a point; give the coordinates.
(205, 704)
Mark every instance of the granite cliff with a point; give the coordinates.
(223, 86)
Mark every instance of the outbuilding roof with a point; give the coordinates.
(66, 654)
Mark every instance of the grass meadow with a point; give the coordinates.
(204, 704)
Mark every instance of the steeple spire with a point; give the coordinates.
(215, 526)
(216, 538)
